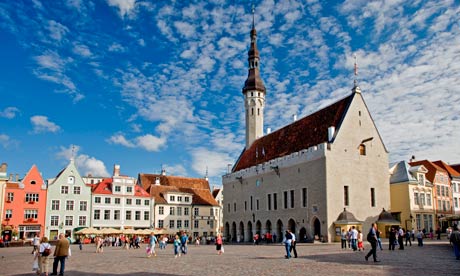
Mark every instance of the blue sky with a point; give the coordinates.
(146, 84)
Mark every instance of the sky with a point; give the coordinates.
(158, 84)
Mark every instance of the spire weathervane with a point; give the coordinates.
(253, 12)
(356, 71)
(73, 153)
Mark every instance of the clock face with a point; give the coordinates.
(257, 182)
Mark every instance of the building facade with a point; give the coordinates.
(25, 205)
(302, 176)
(442, 192)
(181, 204)
(68, 203)
(217, 193)
(118, 202)
(3, 180)
(412, 196)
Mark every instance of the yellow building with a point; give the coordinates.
(411, 196)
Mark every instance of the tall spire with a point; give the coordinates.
(356, 88)
(254, 91)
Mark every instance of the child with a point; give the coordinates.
(177, 245)
(35, 266)
(360, 241)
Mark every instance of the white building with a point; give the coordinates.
(218, 195)
(119, 203)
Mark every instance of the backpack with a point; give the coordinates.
(370, 237)
(46, 252)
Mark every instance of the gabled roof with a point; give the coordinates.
(400, 173)
(197, 187)
(456, 167)
(451, 171)
(105, 187)
(431, 167)
(215, 192)
(302, 134)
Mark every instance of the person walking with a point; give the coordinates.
(392, 239)
(455, 241)
(343, 238)
(153, 240)
(420, 237)
(36, 243)
(379, 240)
(354, 238)
(43, 257)
(360, 241)
(372, 239)
(408, 234)
(177, 246)
(293, 244)
(219, 244)
(184, 243)
(401, 238)
(287, 244)
(60, 254)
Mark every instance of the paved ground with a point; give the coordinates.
(435, 258)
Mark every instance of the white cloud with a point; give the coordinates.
(150, 142)
(56, 30)
(85, 164)
(82, 50)
(177, 169)
(9, 112)
(41, 124)
(147, 142)
(125, 7)
(5, 140)
(116, 47)
(216, 162)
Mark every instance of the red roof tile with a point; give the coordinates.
(431, 167)
(302, 134)
(105, 187)
(451, 171)
(197, 187)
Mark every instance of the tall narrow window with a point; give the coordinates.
(346, 195)
(372, 197)
(292, 198)
(304, 197)
(416, 198)
(245, 205)
(269, 202)
(362, 149)
(251, 203)
(285, 199)
(275, 201)
(257, 204)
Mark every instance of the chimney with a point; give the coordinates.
(412, 159)
(294, 117)
(269, 130)
(3, 167)
(163, 172)
(330, 133)
(116, 170)
(11, 177)
(17, 177)
(157, 180)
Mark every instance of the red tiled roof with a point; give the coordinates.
(448, 168)
(215, 192)
(197, 187)
(105, 187)
(302, 134)
(431, 167)
(456, 167)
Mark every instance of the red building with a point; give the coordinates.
(25, 205)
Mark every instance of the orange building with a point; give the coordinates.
(25, 205)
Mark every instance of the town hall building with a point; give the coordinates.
(303, 176)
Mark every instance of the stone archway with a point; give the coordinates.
(279, 230)
(268, 226)
(233, 231)
(291, 226)
(240, 236)
(249, 230)
(259, 227)
(317, 228)
(227, 232)
(303, 235)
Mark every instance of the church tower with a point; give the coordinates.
(254, 93)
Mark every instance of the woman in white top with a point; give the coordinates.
(43, 258)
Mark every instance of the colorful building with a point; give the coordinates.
(442, 192)
(3, 180)
(412, 196)
(118, 202)
(25, 205)
(68, 203)
(182, 204)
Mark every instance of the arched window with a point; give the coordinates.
(362, 149)
(252, 111)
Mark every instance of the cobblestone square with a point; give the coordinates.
(435, 258)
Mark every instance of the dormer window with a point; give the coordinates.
(172, 198)
(421, 179)
(362, 149)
